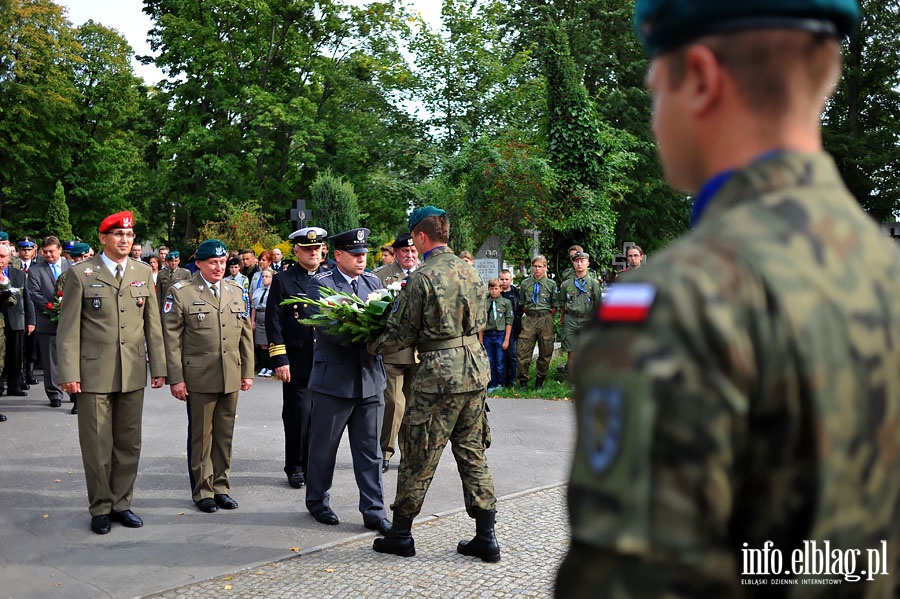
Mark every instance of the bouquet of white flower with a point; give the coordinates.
(347, 315)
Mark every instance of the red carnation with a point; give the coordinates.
(49, 305)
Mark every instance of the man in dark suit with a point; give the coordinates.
(18, 316)
(347, 384)
(27, 248)
(291, 349)
(108, 331)
(42, 288)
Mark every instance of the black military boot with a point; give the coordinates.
(484, 545)
(399, 540)
(539, 382)
(29, 373)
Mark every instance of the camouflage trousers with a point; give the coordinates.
(429, 422)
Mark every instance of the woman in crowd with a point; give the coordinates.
(258, 322)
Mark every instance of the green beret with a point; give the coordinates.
(79, 249)
(664, 25)
(173, 254)
(4, 236)
(420, 214)
(211, 248)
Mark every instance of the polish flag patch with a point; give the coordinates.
(627, 302)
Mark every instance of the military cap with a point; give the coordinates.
(233, 262)
(664, 25)
(420, 214)
(309, 236)
(211, 248)
(119, 220)
(26, 242)
(173, 254)
(578, 255)
(353, 241)
(404, 240)
(4, 236)
(68, 245)
(79, 249)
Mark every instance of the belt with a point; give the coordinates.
(495, 332)
(428, 346)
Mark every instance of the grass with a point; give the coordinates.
(556, 385)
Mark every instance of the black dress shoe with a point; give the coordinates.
(74, 409)
(100, 524)
(126, 518)
(2, 418)
(385, 465)
(207, 505)
(225, 501)
(55, 403)
(383, 526)
(31, 380)
(26, 386)
(296, 480)
(16, 392)
(325, 515)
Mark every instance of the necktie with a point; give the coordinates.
(55, 269)
(355, 287)
(118, 273)
(494, 309)
(214, 291)
(262, 300)
(536, 294)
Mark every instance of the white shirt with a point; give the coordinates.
(112, 265)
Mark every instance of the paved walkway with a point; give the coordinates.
(531, 527)
(47, 549)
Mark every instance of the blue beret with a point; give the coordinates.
(211, 248)
(68, 245)
(664, 25)
(420, 214)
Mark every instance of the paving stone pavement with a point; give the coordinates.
(532, 529)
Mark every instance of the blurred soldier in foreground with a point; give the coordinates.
(727, 399)
(441, 312)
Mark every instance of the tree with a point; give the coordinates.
(240, 226)
(862, 121)
(57, 216)
(336, 202)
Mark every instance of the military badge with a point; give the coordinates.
(627, 302)
(96, 303)
(140, 302)
(311, 235)
(170, 302)
(138, 283)
(360, 235)
(201, 316)
(88, 271)
(127, 222)
(603, 426)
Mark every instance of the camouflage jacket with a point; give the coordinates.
(442, 304)
(745, 390)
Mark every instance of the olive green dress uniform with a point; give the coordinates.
(447, 401)
(773, 413)
(578, 300)
(398, 370)
(168, 277)
(537, 326)
(209, 347)
(106, 330)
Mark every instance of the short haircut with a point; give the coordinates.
(507, 271)
(539, 258)
(493, 282)
(6, 249)
(386, 249)
(247, 251)
(437, 228)
(467, 254)
(575, 248)
(635, 247)
(51, 240)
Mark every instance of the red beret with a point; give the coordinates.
(119, 220)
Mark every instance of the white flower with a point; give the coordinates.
(395, 286)
(378, 295)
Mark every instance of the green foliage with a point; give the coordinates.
(556, 385)
(862, 121)
(242, 225)
(334, 204)
(57, 217)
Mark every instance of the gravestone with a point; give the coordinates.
(488, 258)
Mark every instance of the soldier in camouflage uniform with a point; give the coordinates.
(579, 297)
(441, 311)
(727, 398)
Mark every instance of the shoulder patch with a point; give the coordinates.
(603, 427)
(170, 302)
(627, 302)
(178, 285)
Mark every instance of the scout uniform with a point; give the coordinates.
(731, 402)
(538, 299)
(499, 316)
(209, 348)
(578, 300)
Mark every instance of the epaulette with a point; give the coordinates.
(380, 268)
(232, 283)
(178, 284)
(322, 275)
(370, 275)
